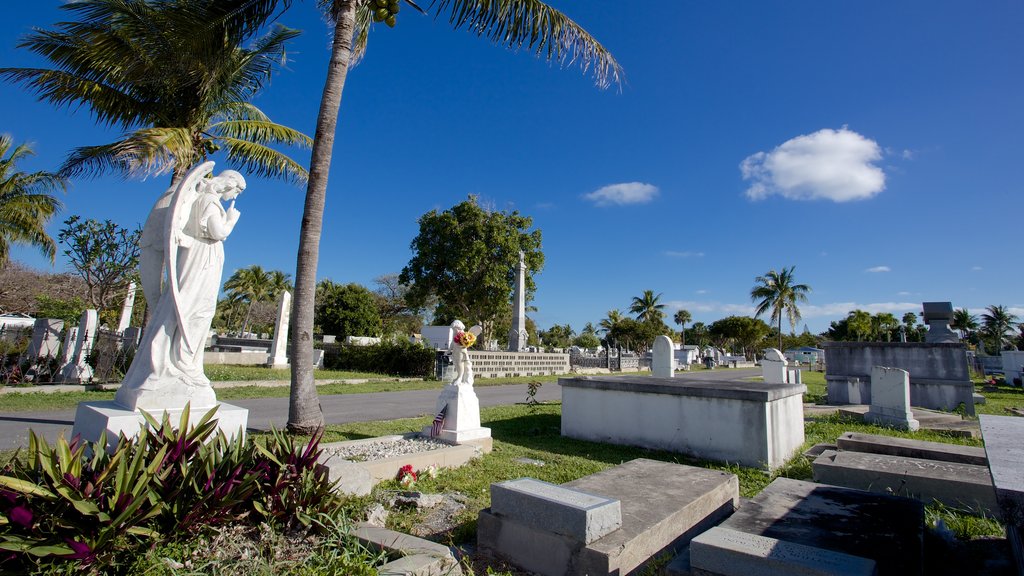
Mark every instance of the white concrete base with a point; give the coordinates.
(460, 436)
(463, 407)
(93, 418)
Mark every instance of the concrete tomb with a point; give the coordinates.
(964, 486)
(1002, 436)
(890, 399)
(797, 527)
(749, 423)
(45, 343)
(77, 369)
(612, 522)
(893, 446)
(938, 315)
(939, 377)
(662, 359)
(278, 357)
(1013, 366)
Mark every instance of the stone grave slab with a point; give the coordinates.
(725, 552)
(886, 529)
(1002, 436)
(663, 505)
(965, 486)
(579, 515)
(877, 444)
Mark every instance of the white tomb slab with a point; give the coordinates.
(45, 343)
(890, 399)
(663, 358)
(93, 418)
(278, 357)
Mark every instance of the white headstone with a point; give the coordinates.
(67, 351)
(890, 399)
(773, 366)
(278, 357)
(78, 370)
(663, 358)
(126, 309)
(45, 339)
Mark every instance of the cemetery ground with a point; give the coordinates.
(527, 443)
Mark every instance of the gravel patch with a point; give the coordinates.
(381, 449)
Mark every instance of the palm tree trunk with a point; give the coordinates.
(304, 413)
(780, 333)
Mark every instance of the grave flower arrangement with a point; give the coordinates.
(465, 339)
(406, 476)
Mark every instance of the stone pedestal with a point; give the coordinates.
(462, 421)
(92, 418)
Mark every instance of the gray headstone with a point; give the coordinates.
(557, 509)
(890, 399)
(45, 342)
(130, 338)
(330, 338)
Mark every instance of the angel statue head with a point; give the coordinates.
(228, 185)
(458, 326)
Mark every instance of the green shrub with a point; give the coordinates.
(75, 501)
(398, 358)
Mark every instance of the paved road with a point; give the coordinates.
(338, 409)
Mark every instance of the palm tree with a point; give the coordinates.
(607, 325)
(511, 23)
(173, 76)
(248, 285)
(998, 321)
(776, 291)
(278, 282)
(964, 321)
(859, 322)
(885, 322)
(646, 307)
(682, 318)
(26, 203)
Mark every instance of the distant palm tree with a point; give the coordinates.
(279, 282)
(859, 322)
(682, 318)
(998, 322)
(26, 203)
(248, 285)
(885, 323)
(174, 76)
(647, 307)
(775, 291)
(964, 321)
(608, 324)
(699, 331)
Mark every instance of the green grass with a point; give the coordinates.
(227, 372)
(998, 401)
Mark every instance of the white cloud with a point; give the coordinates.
(903, 293)
(829, 164)
(875, 269)
(684, 254)
(841, 309)
(976, 268)
(702, 291)
(622, 194)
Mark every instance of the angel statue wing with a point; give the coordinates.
(476, 330)
(184, 195)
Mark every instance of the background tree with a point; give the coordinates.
(20, 287)
(884, 324)
(682, 317)
(859, 322)
(26, 202)
(999, 324)
(636, 335)
(743, 331)
(777, 292)
(699, 334)
(587, 340)
(964, 321)
(558, 336)
(513, 24)
(347, 310)
(248, 286)
(174, 76)
(647, 307)
(467, 258)
(397, 316)
(104, 255)
(607, 325)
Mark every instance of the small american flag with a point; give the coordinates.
(435, 429)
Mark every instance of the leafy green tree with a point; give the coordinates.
(682, 317)
(510, 23)
(859, 322)
(467, 258)
(587, 340)
(636, 335)
(743, 331)
(647, 307)
(26, 202)
(909, 320)
(174, 76)
(248, 286)
(347, 310)
(104, 255)
(999, 324)
(699, 334)
(777, 292)
(883, 323)
(558, 336)
(70, 310)
(396, 314)
(964, 321)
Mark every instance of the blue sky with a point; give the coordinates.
(874, 145)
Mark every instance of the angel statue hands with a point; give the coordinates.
(167, 371)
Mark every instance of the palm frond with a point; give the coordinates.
(144, 152)
(263, 161)
(261, 132)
